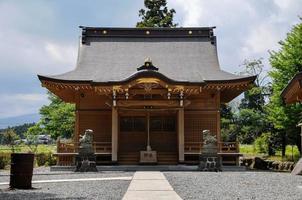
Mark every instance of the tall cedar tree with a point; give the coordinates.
(285, 64)
(156, 14)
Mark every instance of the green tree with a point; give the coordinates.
(156, 14)
(20, 130)
(228, 124)
(285, 64)
(32, 137)
(251, 125)
(10, 138)
(57, 118)
(254, 98)
(251, 118)
(249, 121)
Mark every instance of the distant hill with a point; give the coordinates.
(19, 120)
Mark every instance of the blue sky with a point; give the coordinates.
(41, 37)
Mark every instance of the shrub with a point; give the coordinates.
(261, 143)
(4, 161)
(45, 159)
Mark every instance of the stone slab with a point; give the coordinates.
(151, 195)
(298, 168)
(150, 185)
(149, 176)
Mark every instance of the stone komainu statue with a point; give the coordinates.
(86, 160)
(209, 142)
(209, 160)
(86, 139)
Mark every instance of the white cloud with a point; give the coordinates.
(245, 29)
(60, 53)
(209, 13)
(27, 49)
(261, 39)
(24, 49)
(20, 51)
(20, 104)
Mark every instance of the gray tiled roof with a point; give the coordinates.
(106, 59)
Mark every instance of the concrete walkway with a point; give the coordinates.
(150, 185)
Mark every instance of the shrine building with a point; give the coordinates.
(152, 89)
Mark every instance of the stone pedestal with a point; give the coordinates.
(209, 162)
(86, 163)
(86, 160)
(148, 157)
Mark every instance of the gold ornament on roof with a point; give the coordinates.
(148, 60)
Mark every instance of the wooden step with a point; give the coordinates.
(128, 158)
(163, 158)
(167, 158)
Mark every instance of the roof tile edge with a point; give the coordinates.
(187, 32)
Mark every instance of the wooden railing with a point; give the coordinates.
(193, 147)
(228, 147)
(223, 147)
(66, 151)
(73, 147)
(102, 147)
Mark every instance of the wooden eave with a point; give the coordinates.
(292, 93)
(228, 89)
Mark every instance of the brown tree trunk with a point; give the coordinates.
(283, 144)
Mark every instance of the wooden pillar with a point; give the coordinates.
(218, 116)
(77, 126)
(181, 136)
(114, 140)
(77, 116)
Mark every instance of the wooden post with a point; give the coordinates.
(218, 116)
(77, 116)
(58, 150)
(181, 135)
(114, 135)
(76, 127)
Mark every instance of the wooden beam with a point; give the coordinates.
(166, 103)
(153, 91)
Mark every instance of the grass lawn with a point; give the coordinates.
(290, 154)
(246, 149)
(42, 148)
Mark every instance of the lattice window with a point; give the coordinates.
(195, 123)
(163, 124)
(132, 124)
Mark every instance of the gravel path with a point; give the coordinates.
(71, 175)
(104, 189)
(38, 170)
(236, 185)
(188, 185)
